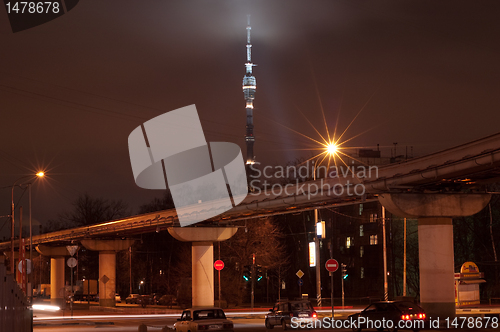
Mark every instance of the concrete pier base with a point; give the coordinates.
(435, 241)
(436, 257)
(107, 266)
(57, 265)
(202, 254)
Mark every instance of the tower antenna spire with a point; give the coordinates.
(249, 87)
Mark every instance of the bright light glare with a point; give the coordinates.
(331, 148)
(40, 174)
(45, 307)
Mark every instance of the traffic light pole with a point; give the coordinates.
(342, 293)
(344, 275)
(253, 281)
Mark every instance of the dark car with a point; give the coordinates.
(389, 315)
(132, 299)
(283, 312)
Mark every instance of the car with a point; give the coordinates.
(203, 319)
(132, 299)
(389, 315)
(167, 300)
(145, 300)
(118, 299)
(283, 312)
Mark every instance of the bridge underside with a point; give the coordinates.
(467, 168)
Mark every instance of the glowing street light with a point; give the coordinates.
(331, 149)
(39, 175)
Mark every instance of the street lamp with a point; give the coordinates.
(39, 175)
(331, 149)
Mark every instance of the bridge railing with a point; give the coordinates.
(15, 314)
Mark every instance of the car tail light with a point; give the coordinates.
(202, 327)
(291, 314)
(315, 315)
(228, 325)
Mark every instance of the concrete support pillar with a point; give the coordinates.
(436, 257)
(435, 241)
(107, 266)
(202, 253)
(57, 280)
(107, 272)
(57, 265)
(203, 276)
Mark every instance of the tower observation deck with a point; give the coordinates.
(249, 87)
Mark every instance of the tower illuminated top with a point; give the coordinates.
(249, 87)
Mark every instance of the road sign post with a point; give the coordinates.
(300, 274)
(23, 264)
(331, 266)
(219, 265)
(72, 262)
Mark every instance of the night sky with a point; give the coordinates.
(425, 73)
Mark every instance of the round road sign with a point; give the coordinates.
(332, 265)
(219, 265)
(72, 262)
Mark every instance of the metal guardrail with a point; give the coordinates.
(15, 314)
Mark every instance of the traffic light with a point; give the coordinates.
(247, 272)
(344, 271)
(258, 272)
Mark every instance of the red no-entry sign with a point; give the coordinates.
(332, 265)
(218, 265)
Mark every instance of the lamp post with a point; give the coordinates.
(331, 150)
(39, 174)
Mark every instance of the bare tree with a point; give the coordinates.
(261, 237)
(88, 210)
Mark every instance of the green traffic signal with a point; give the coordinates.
(258, 272)
(344, 271)
(247, 272)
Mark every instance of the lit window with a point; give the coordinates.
(361, 251)
(348, 242)
(373, 217)
(361, 209)
(362, 272)
(373, 240)
(361, 233)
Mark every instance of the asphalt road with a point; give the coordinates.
(105, 323)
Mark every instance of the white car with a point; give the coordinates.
(203, 319)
